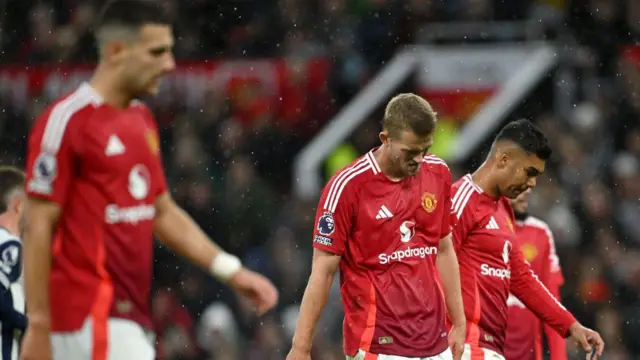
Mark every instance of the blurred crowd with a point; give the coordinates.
(232, 171)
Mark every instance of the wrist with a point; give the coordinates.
(573, 327)
(301, 346)
(570, 326)
(460, 323)
(224, 266)
(39, 322)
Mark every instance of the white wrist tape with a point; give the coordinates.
(224, 266)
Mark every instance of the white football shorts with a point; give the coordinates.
(362, 355)
(486, 354)
(122, 340)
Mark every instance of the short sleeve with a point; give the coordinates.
(462, 219)
(446, 218)
(152, 137)
(50, 157)
(160, 180)
(334, 218)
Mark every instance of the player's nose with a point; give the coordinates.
(531, 182)
(169, 64)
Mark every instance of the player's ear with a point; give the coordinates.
(502, 159)
(17, 203)
(114, 51)
(384, 137)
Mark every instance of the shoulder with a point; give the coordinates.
(437, 165)
(539, 225)
(464, 196)
(144, 110)
(347, 180)
(6, 238)
(139, 105)
(10, 247)
(56, 120)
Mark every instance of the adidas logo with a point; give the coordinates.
(492, 225)
(384, 213)
(114, 146)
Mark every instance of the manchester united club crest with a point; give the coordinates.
(529, 251)
(152, 141)
(429, 202)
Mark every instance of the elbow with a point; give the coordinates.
(37, 232)
(325, 266)
(446, 252)
(323, 273)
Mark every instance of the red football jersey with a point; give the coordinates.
(388, 235)
(102, 165)
(491, 267)
(524, 329)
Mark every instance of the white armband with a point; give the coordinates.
(224, 266)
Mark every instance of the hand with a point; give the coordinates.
(298, 354)
(256, 288)
(456, 339)
(588, 339)
(36, 344)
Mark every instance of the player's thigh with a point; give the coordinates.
(445, 355)
(361, 355)
(358, 356)
(478, 353)
(71, 346)
(124, 340)
(128, 341)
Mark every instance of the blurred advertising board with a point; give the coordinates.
(458, 80)
(276, 83)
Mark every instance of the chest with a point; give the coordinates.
(114, 139)
(395, 214)
(494, 236)
(121, 149)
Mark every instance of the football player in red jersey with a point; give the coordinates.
(491, 266)
(524, 329)
(97, 194)
(384, 222)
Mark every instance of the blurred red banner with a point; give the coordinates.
(458, 80)
(273, 83)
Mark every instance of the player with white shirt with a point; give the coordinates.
(13, 322)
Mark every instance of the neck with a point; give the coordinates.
(382, 159)
(8, 222)
(484, 178)
(107, 86)
(521, 216)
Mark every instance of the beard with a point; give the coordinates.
(521, 216)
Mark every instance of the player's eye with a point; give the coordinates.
(531, 172)
(157, 52)
(415, 152)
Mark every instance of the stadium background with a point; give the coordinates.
(257, 80)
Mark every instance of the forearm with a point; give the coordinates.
(449, 271)
(539, 300)
(177, 230)
(313, 302)
(37, 266)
